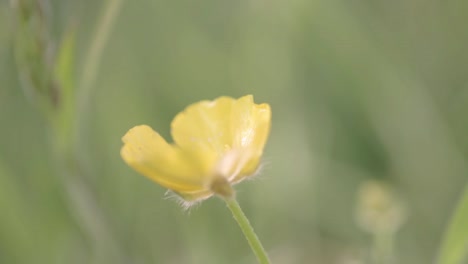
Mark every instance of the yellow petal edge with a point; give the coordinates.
(224, 137)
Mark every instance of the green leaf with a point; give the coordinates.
(455, 245)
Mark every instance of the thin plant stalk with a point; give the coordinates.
(81, 197)
(248, 230)
(93, 57)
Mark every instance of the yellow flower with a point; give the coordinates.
(216, 144)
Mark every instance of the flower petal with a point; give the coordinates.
(224, 126)
(149, 154)
(204, 126)
(252, 123)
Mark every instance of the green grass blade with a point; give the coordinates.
(455, 245)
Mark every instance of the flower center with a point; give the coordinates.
(222, 187)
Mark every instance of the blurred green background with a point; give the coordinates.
(359, 90)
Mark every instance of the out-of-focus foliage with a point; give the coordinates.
(455, 244)
(359, 90)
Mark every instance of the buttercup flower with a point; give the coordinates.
(216, 145)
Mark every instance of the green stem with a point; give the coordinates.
(248, 231)
(93, 57)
